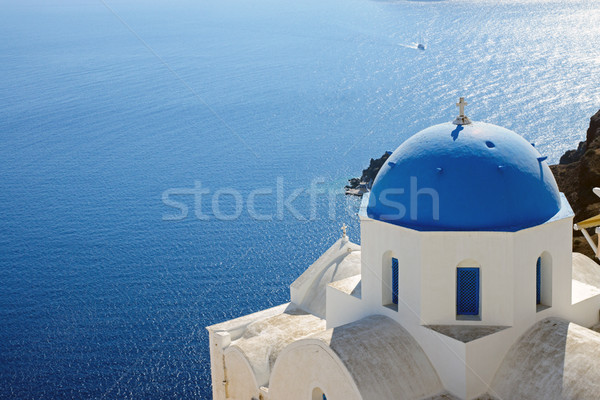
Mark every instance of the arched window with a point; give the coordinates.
(390, 274)
(468, 291)
(318, 394)
(543, 281)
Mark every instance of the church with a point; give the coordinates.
(464, 286)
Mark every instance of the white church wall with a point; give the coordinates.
(585, 301)
(220, 337)
(240, 382)
(443, 252)
(484, 357)
(507, 263)
(217, 342)
(343, 308)
(586, 312)
(382, 240)
(446, 355)
(552, 242)
(467, 369)
(306, 365)
(342, 259)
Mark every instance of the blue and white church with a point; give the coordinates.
(464, 286)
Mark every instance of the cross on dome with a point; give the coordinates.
(462, 119)
(461, 104)
(344, 227)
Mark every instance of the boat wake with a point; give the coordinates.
(415, 46)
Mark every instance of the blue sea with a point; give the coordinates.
(167, 165)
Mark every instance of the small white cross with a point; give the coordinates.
(461, 105)
(462, 119)
(344, 227)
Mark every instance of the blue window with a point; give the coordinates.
(395, 280)
(324, 397)
(538, 282)
(467, 291)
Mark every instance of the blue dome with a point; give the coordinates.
(476, 177)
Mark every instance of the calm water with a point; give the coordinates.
(102, 111)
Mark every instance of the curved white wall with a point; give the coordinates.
(241, 383)
(308, 364)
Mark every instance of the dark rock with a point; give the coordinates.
(592, 136)
(593, 132)
(572, 156)
(354, 182)
(577, 174)
(369, 174)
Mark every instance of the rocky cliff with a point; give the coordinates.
(577, 173)
(368, 175)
